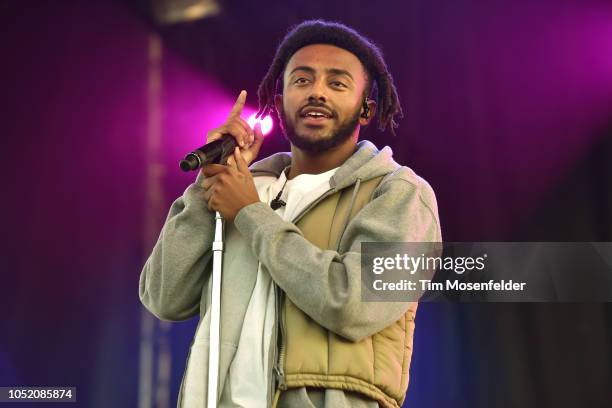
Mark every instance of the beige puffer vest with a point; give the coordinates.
(312, 356)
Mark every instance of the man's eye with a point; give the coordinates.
(338, 84)
(300, 81)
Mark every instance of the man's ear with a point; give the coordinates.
(368, 110)
(278, 104)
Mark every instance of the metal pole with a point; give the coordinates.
(215, 313)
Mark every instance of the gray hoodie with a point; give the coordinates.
(325, 284)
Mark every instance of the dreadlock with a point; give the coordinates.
(380, 81)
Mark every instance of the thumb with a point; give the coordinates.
(251, 153)
(257, 140)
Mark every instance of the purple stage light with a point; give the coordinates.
(266, 123)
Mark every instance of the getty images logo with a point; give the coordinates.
(412, 264)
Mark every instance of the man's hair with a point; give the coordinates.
(310, 32)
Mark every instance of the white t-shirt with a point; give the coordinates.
(247, 383)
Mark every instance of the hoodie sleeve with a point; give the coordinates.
(325, 284)
(173, 276)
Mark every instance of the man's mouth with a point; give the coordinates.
(315, 115)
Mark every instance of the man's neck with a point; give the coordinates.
(303, 162)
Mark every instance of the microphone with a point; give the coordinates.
(215, 152)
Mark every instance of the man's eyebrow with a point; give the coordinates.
(303, 68)
(333, 71)
(336, 71)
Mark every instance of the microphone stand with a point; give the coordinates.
(215, 312)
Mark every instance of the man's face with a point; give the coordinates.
(323, 88)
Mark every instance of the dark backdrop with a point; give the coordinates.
(508, 115)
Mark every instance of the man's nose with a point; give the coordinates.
(317, 92)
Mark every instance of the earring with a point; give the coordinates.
(366, 109)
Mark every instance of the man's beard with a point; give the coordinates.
(338, 135)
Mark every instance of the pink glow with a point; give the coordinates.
(266, 123)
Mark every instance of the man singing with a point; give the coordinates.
(294, 331)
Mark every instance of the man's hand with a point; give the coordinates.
(248, 139)
(229, 188)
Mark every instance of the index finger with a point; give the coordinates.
(239, 104)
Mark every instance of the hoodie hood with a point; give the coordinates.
(366, 163)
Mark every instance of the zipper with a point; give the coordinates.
(280, 364)
(272, 358)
